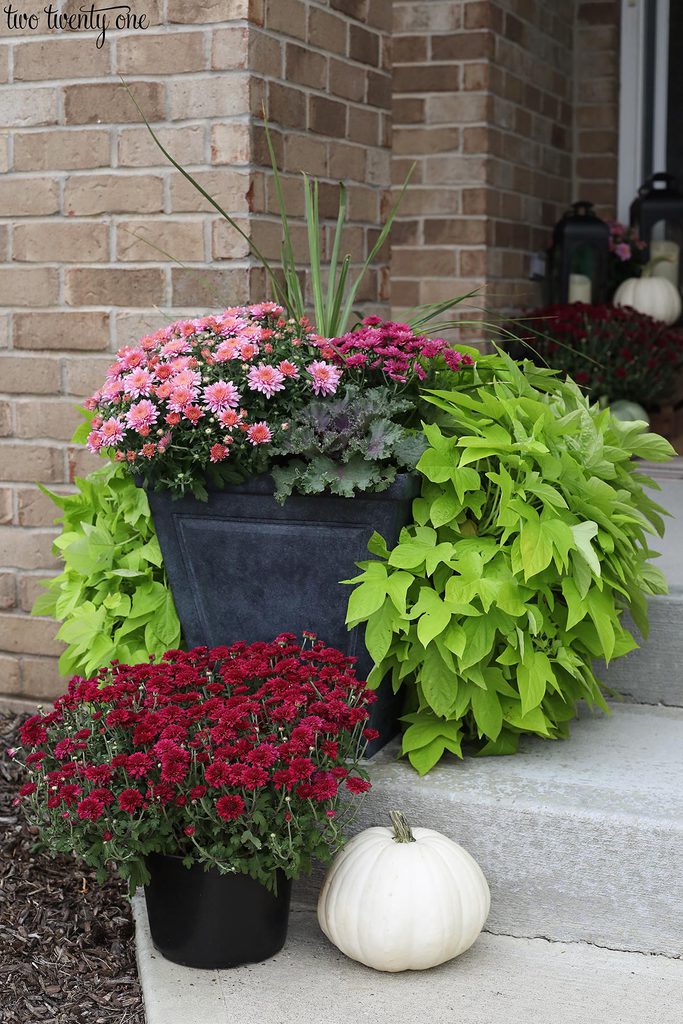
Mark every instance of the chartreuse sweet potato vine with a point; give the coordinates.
(529, 540)
(112, 597)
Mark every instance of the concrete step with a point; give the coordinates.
(580, 840)
(500, 980)
(653, 674)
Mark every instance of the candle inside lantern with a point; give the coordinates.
(668, 254)
(580, 288)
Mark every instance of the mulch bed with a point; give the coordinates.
(67, 949)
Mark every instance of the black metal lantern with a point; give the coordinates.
(577, 261)
(657, 213)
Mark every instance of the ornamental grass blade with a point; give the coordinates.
(335, 289)
(202, 191)
(294, 299)
(353, 291)
(424, 315)
(313, 226)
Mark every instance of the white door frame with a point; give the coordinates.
(632, 101)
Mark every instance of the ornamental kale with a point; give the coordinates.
(348, 443)
(528, 543)
(242, 758)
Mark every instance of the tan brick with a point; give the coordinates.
(264, 55)
(347, 81)
(29, 462)
(460, 231)
(353, 8)
(41, 678)
(285, 106)
(228, 187)
(209, 289)
(306, 154)
(204, 12)
(51, 419)
(363, 126)
(85, 374)
(110, 103)
(31, 588)
(232, 48)
(23, 634)
(230, 144)
(35, 508)
(287, 17)
(305, 67)
(434, 16)
(29, 374)
(8, 591)
(27, 549)
(364, 45)
(4, 64)
(113, 286)
(423, 262)
(82, 462)
(61, 331)
(328, 31)
(130, 325)
(4, 243)
(5, 419)
(326, 116)
(228, 244)
(6, 505)
(10, 676)
(348, 162)
(61, 149)
(421, 141)
(72, 243)
(22, 286)
(4, 152)
(217, 96)
(167, 53)
(181, 239)
(29, 197)
(85, 195)
(137, 148)
(23, 107)
(60, 58)
(411, 78)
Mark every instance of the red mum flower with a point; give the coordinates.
(356, 785)
(218, 774)
(28, 789)
(90, 809)
(138, 764)
(130, 800)
(230, 807)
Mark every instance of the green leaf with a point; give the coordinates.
(437, 465)
(366, 599)
(536, 547)
(652, 447)
(488, 713)
(583, 534)
(434, 621)
(533, 676)
(379, 632)
(575, 603)
(438, 681)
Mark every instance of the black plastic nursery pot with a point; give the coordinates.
(243, 567)
(204, 919)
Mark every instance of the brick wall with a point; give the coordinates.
(596, 139)
(80, 178)
(483, 96)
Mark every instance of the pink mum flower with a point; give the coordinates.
(623, 251)
(141, 414)
(181, 397)
(325, 377)
(221, 395)
(111, 390)
(112, 431)
(266, 379)
(266, 309)
(94, 441)
(138, 383)
(259, 433)
(288, 369)
(228, 349)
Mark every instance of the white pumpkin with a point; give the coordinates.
(402, 900)
(655, 296)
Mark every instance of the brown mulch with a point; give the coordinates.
(67, 949)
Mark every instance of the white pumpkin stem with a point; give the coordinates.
(402, 830)
(648, 269)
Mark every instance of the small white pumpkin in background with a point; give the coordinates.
(654, 296)
(397, 899)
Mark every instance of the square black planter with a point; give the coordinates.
(242, 567)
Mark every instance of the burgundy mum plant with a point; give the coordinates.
(613, 352)
(243, 758)
(216, 399)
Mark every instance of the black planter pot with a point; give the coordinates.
(242, 567)
(204, 919)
